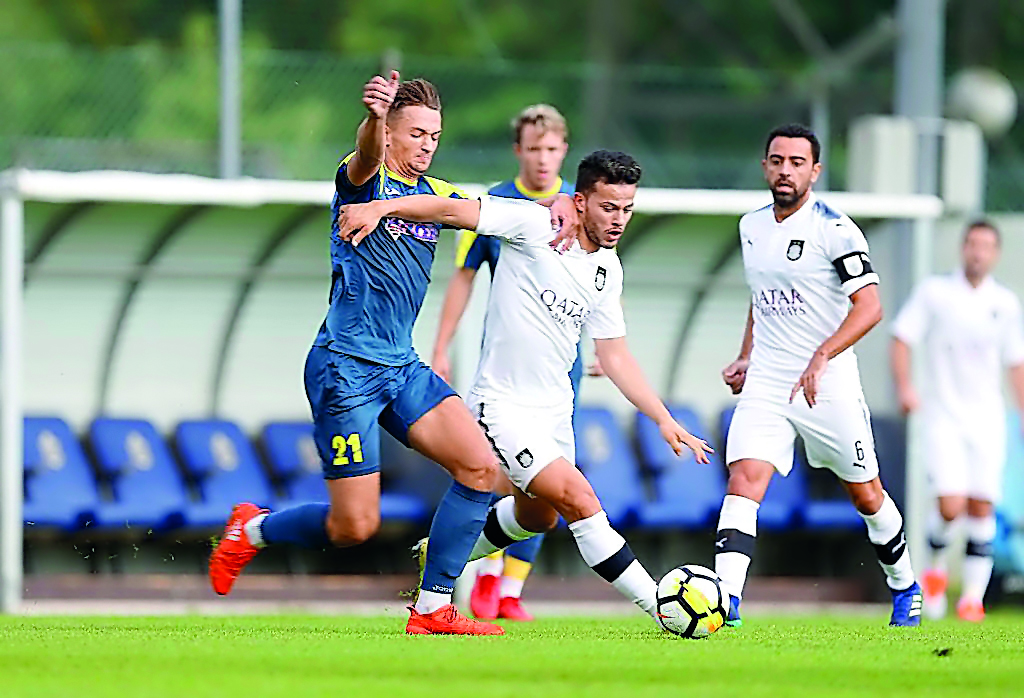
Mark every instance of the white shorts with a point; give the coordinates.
(836, 433)
(964, 460)
(526, 439)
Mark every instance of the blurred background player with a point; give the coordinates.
(541, 302)
(362, 375)
(815, 295)
(540, 146)
(970, 328)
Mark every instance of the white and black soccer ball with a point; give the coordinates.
(691, 602)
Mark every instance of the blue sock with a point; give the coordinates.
(302, 525)
(526, 550)
(457, 524)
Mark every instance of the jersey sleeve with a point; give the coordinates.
(1013, 336)
(911, 324)
(606, 320)
(349, 193)
(847, 249)
(517, 221)
(473, 251)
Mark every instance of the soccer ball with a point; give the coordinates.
(691, 602)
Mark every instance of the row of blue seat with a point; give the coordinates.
(219, 466)
(147, 488)
(687, 495)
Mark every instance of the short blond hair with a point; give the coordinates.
(544, 116)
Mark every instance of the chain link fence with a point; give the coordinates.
(156, 110)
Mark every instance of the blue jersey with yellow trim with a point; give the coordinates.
(377, 288)
(474, 250)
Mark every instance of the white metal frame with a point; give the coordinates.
(19, 186)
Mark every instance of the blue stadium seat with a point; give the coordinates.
(1009, 542)
(294, 461)
(604, 456)
(148, 489)
(60, 488)
(222, 461)
(784, 502)
(685, 494)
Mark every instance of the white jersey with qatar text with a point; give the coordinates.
(540, 301)
(801, 272)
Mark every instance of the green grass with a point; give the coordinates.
(302, 657)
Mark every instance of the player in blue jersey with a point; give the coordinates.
(540, 146)
(362, 374)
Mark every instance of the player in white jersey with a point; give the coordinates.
(814, 295)
(970, 329)
(540, 301)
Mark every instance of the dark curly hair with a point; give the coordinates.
(607, 166)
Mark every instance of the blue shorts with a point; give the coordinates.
(351, 398)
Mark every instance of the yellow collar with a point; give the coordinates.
(535, 195)
(394, 175)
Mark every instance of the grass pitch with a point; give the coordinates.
(302, 657)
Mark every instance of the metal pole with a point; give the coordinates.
(821, 120)
(919, 85)
(230, 89)
(12, 263)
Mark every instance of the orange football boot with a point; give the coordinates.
(448, 621)
(234, 551)
(971, 610)
(511, 607)
(483, 602)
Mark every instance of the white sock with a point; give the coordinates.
(254, 530)
(734, 545)
(492, 565)
(500, 530)
(885, 531)
(430, 601)
(511, 587)
(607, 553)
(977, 569)
(939, 532)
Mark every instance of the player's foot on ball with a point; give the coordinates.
(419, 554)
(234, 551)
(486, 596)
(734, 620)
(934, 584)
(906, 606)
(448, 621)
(971, 610)
(511, 607)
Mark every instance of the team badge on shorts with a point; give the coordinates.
(524, 458)
(602, 274)
(796, 248)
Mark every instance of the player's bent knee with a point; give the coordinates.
(348, 531)
(479, 474)
(537, 520)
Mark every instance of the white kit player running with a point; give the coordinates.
(540, 301)
(970, 329)
(814, 295)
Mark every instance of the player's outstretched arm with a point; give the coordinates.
(865, 313)
(735, 374)
(620, 366)
(378, 95)
(356, 221)
(456, 298)
(899, 361)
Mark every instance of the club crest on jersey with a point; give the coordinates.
(524, 458)
(599, 280)
(796, 248)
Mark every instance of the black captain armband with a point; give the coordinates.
(852, 266)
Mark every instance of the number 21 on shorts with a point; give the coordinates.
(342, 445)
